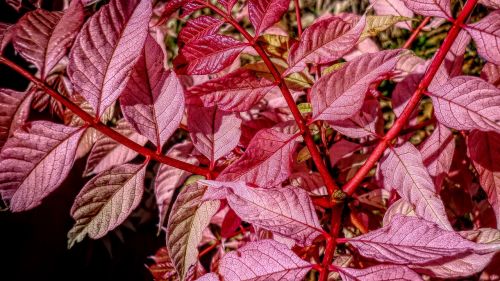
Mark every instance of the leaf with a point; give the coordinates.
(214, 133)
(286, 211)
(208, 54)
(264, 13)
(491, 73)
(467, 103)
(437, 154)
(276, 45)
(6, 34)
(486, 35)
(267, 161)
(199, 27)
(209, 277)
(35, 161)
(379, 272)
(362, 124)
(263, 260)
(153, 100)
(237, 91)
(163, 269)
(340, 94)
(43, 37)
(107, 152)
(323, 42)
(106, 201)
(376, 24)
(14, 111)
(400, 207)
(413, 241)
(168, 178)
(484, 151)
(341, 149)
(106, 50)
(189, 217)
(394, 8)
(432, 8)
(494, 4)
(402, 169)
(228, 4)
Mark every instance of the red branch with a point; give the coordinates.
(91, 121)
(415, 33)
(298, 17)
(351, 186)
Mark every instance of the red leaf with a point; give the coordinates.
(402, 169)
(491, 73)
(264, 13)
(43, 37)
(163, 269)
(106, 201)
(433, 8)
(486, 35)
(286, 211)
(14, 112)
(153, 100)
(266, 162)
(107, 49)
(341, 149)
(324, 41)
(228, 4)
(237, 91)
(362, 124)
(263, 260)
(209, 54)
(214, 132)
(340, 94)
(6, 34)
(466, 103)
(379, 272)
(199, 27)
(35, 161)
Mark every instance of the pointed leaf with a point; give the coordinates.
(264, 13)
(379, 272)
(362, 124)
(228, 4)
(286, 211)
(432, 8)
(189, 217)
(14, 110)
(491, 73)
(376, 24)
(394, 8)
(341, 149)
(199, 27)
(466, 103)
(263, 260)
(266, 162)
(153, 100)
(340, 94)
(486, 35)
(237, 91)
(402, 169)
(106, 201)
(214, 132)
(106, 50)
(35, 161)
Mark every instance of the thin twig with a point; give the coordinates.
(416, 32)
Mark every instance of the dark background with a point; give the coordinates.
(33, 244)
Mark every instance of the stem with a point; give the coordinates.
(98, 125)
(298, 17)
(304, 130)
(351, 186)
(331, 242)
(415, 32)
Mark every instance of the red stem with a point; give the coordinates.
(415, 33)
(311, 146)
(351, 186)
(298, 17)
(91, 121)
(331, 242)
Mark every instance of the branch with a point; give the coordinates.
(416, 32)
(298, 17)
(98, 125)
(351, 186)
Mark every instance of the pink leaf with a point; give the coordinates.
(433, 8)
(189, 217)
(340, 94)
(379, 272)
(208, 54)
(341, 149)
(36, 160)
(491, 73)
(168, 178)
(437, 154)
(402, 169)
(411, 240)
(324, 41)
(263, 260)
(266, 162)
(214, 132)
(199, 27)
(484, 151)
(14, 112)
(228, 4)
(264, 13)
(107, 49)
(394, 8)
(286, 211)
(494, 4)
(403, 92)
(209, 277)
(43, 37)
(153, 100)
(362, 124)
(466, 103)
(107, 152)
(106, 201)
(237, 91)
(486, 35)
(6, 34)
(309, 181)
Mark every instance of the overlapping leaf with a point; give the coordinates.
(491, 73)
(106, 50)
(394, 8)
(379, 272)
(362, 124)
(264, 13)
(432, 8)
(199, 27)
(486, 35)
(14, 110)
(106, 201)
